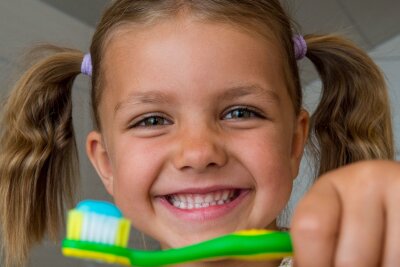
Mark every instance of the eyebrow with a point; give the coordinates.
(149, 97)
(231, 93)
(244, 90)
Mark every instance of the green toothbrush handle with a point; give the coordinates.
(247, 245)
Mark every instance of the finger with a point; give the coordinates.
(391, 255)
(362, 226)
(314, 226)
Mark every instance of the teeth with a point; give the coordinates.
(197, 201)
(205, 205)
(183, 205)
(208, 199)
(225, 194)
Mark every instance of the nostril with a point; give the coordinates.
(212, 164)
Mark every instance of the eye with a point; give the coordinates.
(150, 121)
(241, 113)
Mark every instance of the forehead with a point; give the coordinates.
(189, 54)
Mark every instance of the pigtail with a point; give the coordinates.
(352, 121)
(38, 155)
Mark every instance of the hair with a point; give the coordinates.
(38, 161)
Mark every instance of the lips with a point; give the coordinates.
(200, 205)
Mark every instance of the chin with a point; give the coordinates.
(189, 239)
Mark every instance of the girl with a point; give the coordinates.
(199, 131)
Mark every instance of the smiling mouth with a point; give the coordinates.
(201, 201)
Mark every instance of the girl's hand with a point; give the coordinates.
(350, 217)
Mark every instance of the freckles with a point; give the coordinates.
(274, 167)
(276, 178)
(137, 171)
(276, 189)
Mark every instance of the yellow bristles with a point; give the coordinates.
(122, 236)
(74, 224)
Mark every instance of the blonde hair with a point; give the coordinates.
(352, 121)
(38, 162)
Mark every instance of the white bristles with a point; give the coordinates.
(99, 228)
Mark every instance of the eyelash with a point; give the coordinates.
(250, 111)
(142, 122)
(253, 113)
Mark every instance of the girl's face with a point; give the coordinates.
(199, 136)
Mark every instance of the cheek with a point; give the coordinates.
(135, 170)
(271, 169)
(267, 153)
(267, 157)
(275, 154)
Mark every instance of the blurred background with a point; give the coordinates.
(374, 25)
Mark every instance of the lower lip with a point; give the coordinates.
(206, 213)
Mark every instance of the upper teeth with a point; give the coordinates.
(190, 201)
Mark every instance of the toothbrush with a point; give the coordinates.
(96, 230)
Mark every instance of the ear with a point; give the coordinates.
(299, 141)
(100, 159)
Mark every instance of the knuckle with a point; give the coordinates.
(363, 182)
(367, 185)
(307, 223)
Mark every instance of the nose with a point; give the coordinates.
(199, 149)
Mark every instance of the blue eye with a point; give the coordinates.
(241, 113)
(151, 121)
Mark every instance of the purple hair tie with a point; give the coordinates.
(86, 67)
(300, 46)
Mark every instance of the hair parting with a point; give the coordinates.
(38, 156)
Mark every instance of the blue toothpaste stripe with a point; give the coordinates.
(101, 207)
